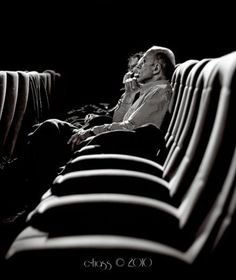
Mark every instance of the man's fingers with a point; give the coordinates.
(135, 83)
(78, 137)
(74, 142)
(131, 84)
(128, 86)
(75, 134)
(71, 139)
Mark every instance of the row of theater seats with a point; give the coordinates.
(113, 212)
(25, 100)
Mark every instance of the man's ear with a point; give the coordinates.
(157, 68)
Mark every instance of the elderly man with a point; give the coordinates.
(153, 73)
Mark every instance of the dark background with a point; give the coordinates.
(89, 44)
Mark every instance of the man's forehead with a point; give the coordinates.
(140, 61)
(144, 58)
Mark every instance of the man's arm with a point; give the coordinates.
(152, 110)
(126, 100)
(121, 108)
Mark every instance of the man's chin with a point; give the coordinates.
(140, 81)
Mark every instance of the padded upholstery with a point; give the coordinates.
(102, 181)
(178, 83)
(191, 105)
(23, 92)
(3, 87)
(45, 94)
(9, 106)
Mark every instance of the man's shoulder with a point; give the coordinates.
(161, 89)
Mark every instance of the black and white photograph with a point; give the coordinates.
(117, 141)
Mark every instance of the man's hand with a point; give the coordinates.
(131, 88)
(89, 117)
(78, 136)
(127, 76)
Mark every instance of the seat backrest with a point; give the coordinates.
(178, 84)
(211, 233)
(174, 84)
(45, 93)
(174, 114)
(55, 88)
(9, 107)
(178, 78)
(35, 98)
(23, 92)
(110, 181)
(212, 174)
(3, 88)
(181, 141)
(57, 215)
(187, 168)
(116, 161)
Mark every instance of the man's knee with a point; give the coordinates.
(46, 129)
(52, 128)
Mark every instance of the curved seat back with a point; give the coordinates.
(9, 107)
(188, 166)
(23, 93)
(181, 141)
(178, 84)
(212, 177)
(3, 87)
